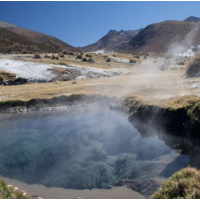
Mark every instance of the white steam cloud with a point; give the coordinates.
(185, 47)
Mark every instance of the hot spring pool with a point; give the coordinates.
(81, 148)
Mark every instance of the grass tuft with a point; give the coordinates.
(193, 67)
(4, 191)
(183, 184)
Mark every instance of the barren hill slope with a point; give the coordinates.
(164, 37)
(6, 25)
(14, 39)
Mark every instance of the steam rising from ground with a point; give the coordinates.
(83, 148)
(185, 47)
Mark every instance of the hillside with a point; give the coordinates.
(6, 25)
(167, 36)
(14, 39)
(112, 41)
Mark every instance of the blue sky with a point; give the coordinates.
(82, 23)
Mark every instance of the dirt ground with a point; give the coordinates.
(54, 193)
(145, 80)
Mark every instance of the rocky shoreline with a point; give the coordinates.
(18, 106)
(177, 117)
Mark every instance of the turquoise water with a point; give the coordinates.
(81, 148)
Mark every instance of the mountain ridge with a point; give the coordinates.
(14, 39)
(192, 19)
(112, 41)
(164, 37)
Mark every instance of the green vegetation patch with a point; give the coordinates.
(4, 192)
(183, 184)
(12, 103)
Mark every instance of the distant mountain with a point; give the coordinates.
(112, 41)
(166, 36)
(192, 19)
(14, 39)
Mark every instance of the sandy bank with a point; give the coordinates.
(59, 193)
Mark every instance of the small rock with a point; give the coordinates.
(24, 194)
(108, 187)
(9, 185)
(16, 188)
(132, 61)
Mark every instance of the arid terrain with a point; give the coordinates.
(144, 79)
(15, 39)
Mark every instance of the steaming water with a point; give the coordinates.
(81, 148)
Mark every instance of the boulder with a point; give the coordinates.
(88, 55)
(24, 52)
(90, 60)
(61, 55)
(19, 81)
(132, 61)
(71, 53)
(46, 56)
(37, 56)
(79, 57)
(84, 60)
(2, 81)
(65, 53)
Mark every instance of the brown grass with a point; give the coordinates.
(193, 67)
(17, 194)
(139, 81)
(7, 76)
(183, 184)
